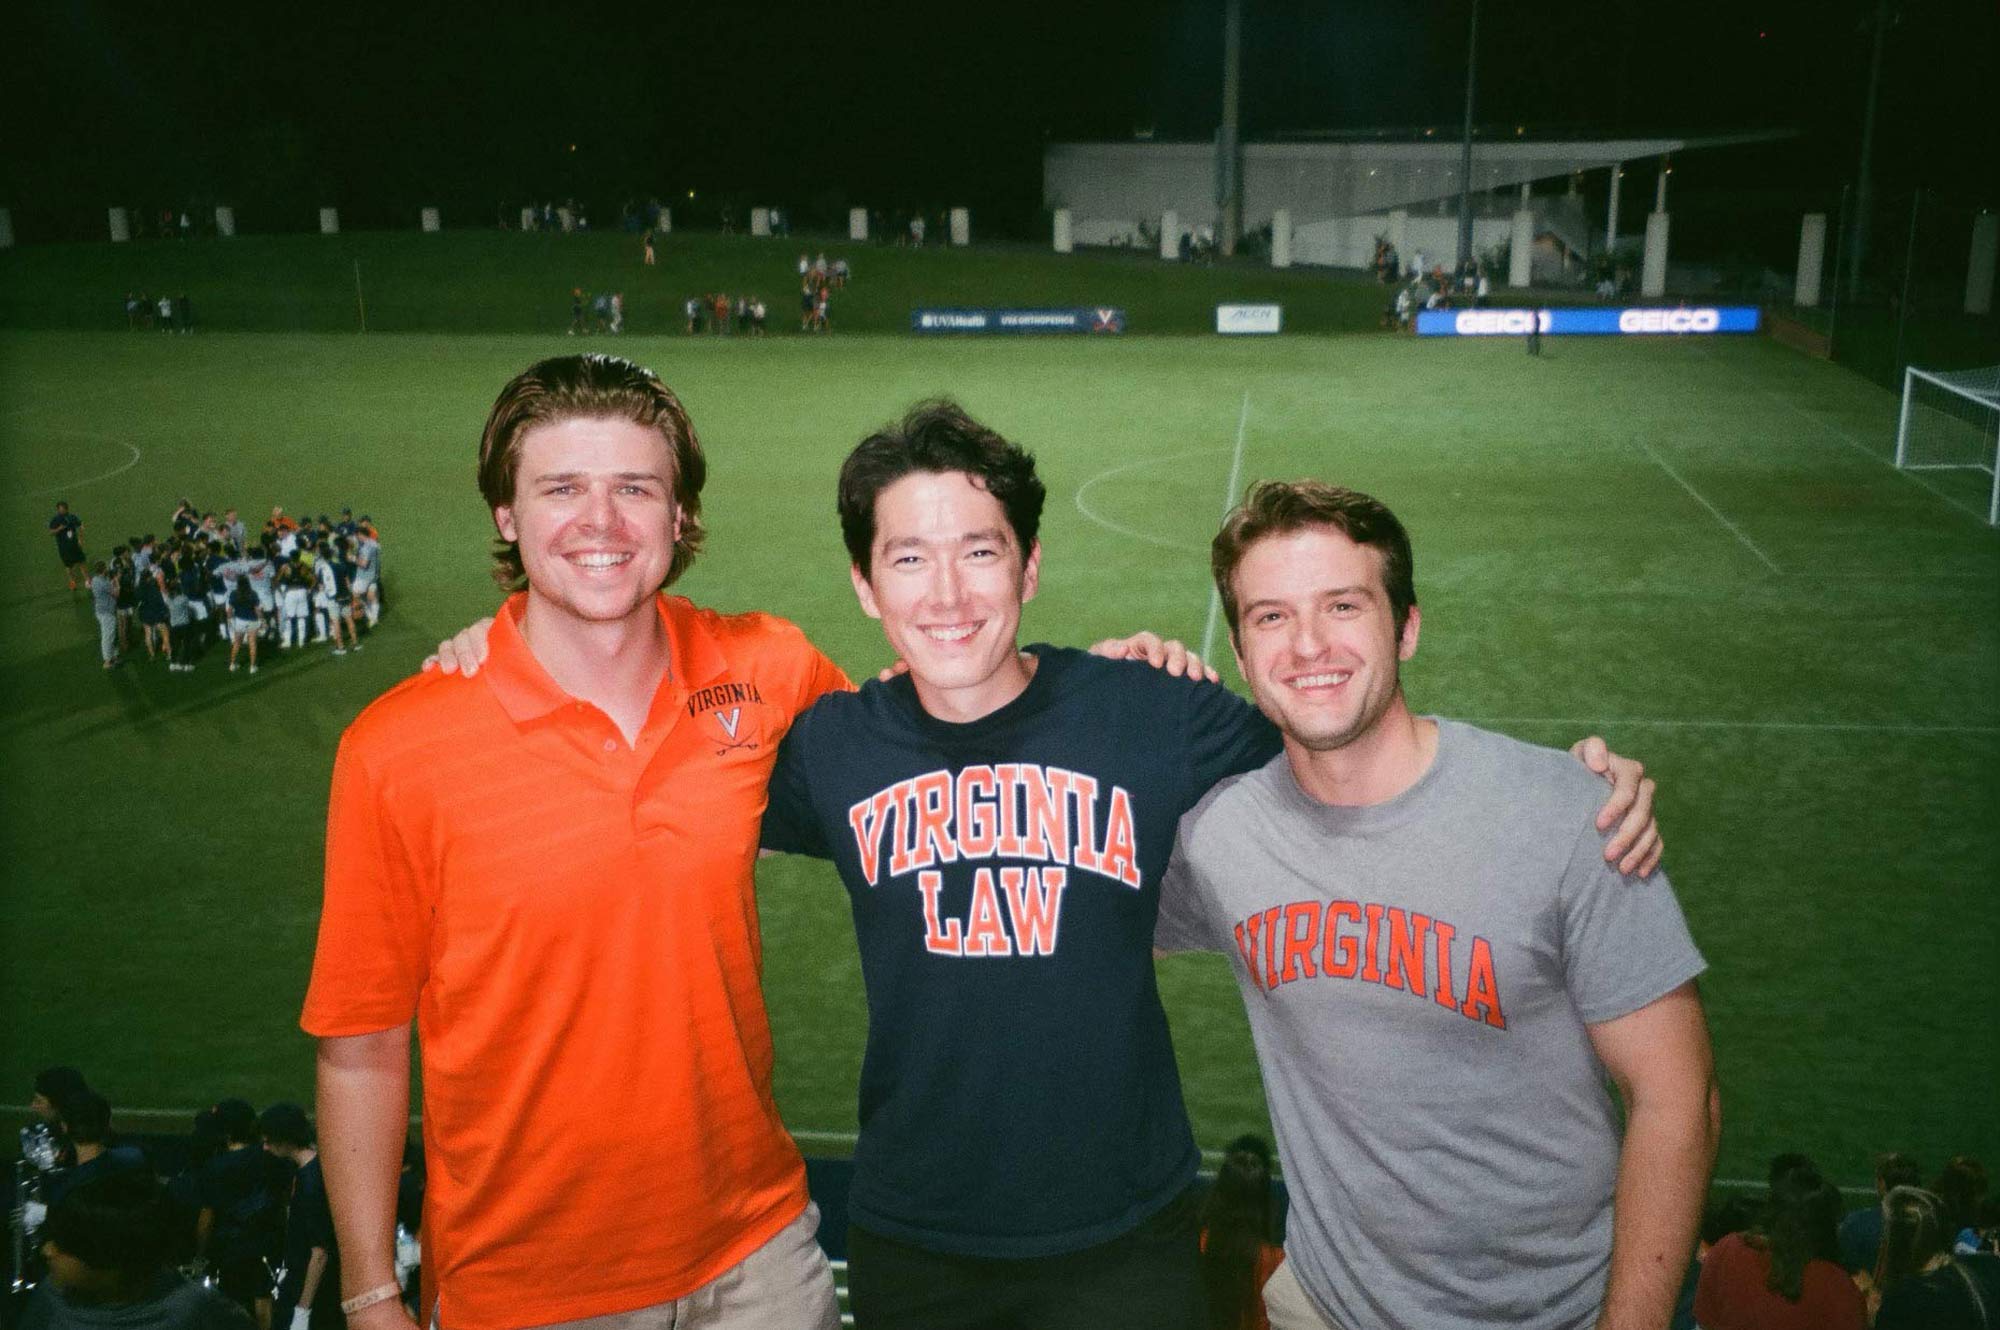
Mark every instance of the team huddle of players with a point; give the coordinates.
(294, 583)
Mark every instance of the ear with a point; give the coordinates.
(863, 592)
(503, 522)
(1406, 646)
(1031, 574)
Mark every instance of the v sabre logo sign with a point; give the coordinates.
(729, 720)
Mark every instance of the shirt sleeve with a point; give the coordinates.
(1625, 941)
(375, 922)
(1184, 923)
(790, 823)
(1226, 736)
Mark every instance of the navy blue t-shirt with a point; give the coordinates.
(1019, 1095)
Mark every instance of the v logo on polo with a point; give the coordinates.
(729, 720)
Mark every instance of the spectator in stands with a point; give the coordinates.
(1920, 1282)
(309, 1293)
(237, 1225)
(1719, 1218)
(86, 1122)
(1961, 1186)
(1861, 1230)
(1785, 1274)
(1237, 1254)
(106, 1245)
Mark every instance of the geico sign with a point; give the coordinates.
(1668, 320)
(1492, 322)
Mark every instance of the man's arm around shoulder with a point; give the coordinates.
(1660, 1058)
(364, 1113)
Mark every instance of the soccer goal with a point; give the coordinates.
(1951, 422)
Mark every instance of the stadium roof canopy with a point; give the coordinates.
(1332, 175)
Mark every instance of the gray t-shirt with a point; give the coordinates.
(103, 595)
(1419, 976)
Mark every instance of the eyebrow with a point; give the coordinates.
(1355, 592)
(985, 534)
(548, 476)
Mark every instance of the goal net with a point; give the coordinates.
(1951, 422)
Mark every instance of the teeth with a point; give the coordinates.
(1321, 680)
(600, 560)
(958, 634)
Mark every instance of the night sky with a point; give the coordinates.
(380, 108)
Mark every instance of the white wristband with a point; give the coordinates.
(380, 1293)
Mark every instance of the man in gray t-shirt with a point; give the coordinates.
(1440, 970)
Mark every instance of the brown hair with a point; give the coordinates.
(1281, 507)
(588, 387)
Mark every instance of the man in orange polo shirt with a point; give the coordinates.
(549, 867)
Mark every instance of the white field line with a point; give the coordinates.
(1842, 435)
(847, 1138)
(1781, 726)
(1120, 529)
(1228, 502)
(1714, 511)
(118, 470)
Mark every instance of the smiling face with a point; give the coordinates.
(947, 578)
(1317, 640)
(595, 518)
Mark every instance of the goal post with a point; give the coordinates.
(1950, 421)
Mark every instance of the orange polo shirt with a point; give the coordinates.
(572, 922)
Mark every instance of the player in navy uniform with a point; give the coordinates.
(1001, 820)
(67, 528)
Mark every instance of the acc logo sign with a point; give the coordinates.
(1499, 322)
(1668, 320)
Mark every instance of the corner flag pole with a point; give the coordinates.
(360, 303)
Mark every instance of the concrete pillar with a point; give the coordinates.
(760, 221)
(1653, 270)
(528, 219)
(1281, 238)
(961, 226)
(1170, 235)
(1521, 247)
(1611, 211)
(1812, 257)
(665, 225)
(565, 220)
(1979, 270)
(432, 221)
(1660, 187)
(857, 223)
(1063, 243)
(225, 220)
(121, 225)
(6, 229)
(329, 221)
(1572, 184)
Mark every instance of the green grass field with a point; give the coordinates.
(1696, 548)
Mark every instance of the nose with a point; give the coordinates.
(599, 512)
(1309, 637)
(945, 584)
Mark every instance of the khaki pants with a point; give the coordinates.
(1288, 1307)
(785, 1284)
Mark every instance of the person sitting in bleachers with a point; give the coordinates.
(1920, 1282)
(106, 1247)
(1861, 1230)
(1784, 1274)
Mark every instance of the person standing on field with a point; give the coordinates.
(67, 528)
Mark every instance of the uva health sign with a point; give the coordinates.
(1640, 321)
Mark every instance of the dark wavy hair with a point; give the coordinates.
(1235, 1225)
(1801, 1226)
(591, 387)
(937, 437)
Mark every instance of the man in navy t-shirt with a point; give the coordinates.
(67, 528)
(1001, 819)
